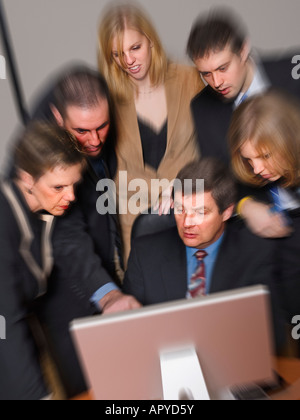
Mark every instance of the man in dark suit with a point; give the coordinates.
(220, 48)
(80, 102)
(206, 253)
(86, 244)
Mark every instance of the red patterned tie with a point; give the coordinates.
(197, 285)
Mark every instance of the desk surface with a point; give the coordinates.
(288, 369)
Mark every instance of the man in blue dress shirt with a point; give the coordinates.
(86, 244)
(162, 267)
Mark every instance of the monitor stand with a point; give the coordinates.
(182, 376)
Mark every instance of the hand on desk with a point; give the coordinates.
(116, 301)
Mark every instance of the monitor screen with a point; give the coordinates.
(229, 333)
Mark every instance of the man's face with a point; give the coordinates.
(198, 219)
(226, 72)
(89, 126)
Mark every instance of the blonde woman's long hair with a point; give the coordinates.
(113, 24)
(271, 122)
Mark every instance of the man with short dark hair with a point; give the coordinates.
(220, 48)
(207, 252)
(86, 244)
(80, 102)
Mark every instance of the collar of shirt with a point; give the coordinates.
(288, 200)
(212, 251)
(259, 84)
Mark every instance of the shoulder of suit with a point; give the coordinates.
(238, 225)
(4, 206)
(157, 241)
(284, 59)
(277, 68)
(279, 72)
(181, 69)
(205, 98)
(186, 73)
(238, 231)
(8, 223)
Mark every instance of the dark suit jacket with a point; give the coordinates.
(83, 219)
(83, 247)
(20, 374)
(212, 118)
(84, 244)
(157, 270)
(212, 115)
(85, 241)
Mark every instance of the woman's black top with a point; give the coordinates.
(154, 144)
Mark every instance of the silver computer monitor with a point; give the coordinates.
(230, 333)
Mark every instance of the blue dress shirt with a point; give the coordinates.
(103, 291)
(209, 261)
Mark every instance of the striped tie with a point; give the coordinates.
(197, 286)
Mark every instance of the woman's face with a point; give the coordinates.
(54, 191)
(263, 164)
(136, 54)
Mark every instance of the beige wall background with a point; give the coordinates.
(49, 34)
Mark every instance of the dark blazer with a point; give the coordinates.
(84, 249)
(20, 373)
(157, 270)
(289, 262)
(212, 118)
(212, 115)
(83, 224)
(84, 245)
(85, 241)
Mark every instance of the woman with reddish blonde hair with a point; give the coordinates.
(152, 95)
(264, 139)
(270, 125)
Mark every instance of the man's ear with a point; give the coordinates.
(26, 179)
(245, 50)
(57, 115)
(228, 213)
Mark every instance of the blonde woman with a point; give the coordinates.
(265, 147)
(153, 96)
